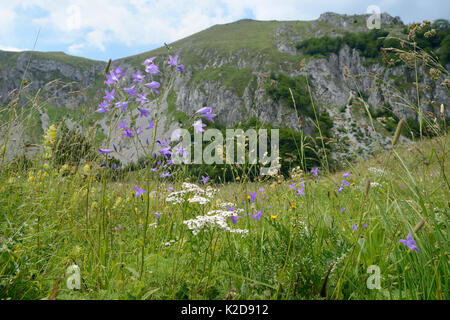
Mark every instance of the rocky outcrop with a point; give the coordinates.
(61, 80)
(335, 81)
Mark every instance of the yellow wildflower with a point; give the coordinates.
(118, 202)
(87, 169)
(50, 135)
(293, 204)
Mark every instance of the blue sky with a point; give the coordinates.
(103, 29)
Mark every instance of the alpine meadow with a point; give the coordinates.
(347, 196)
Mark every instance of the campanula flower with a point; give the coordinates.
(209, 116)
(204, 110)
(410, 243)
(204, 179)
(103, 151)
(139, 191)
(198, 126)
(110, 79)
(149, 61)
(166, 152)
(103, 107)
(109, 95)
(180, 151)
(165, 174)
(151, 124)
(123, 105)
(127, 133)
(122, 125)
(153, 85)
(131, 91)
(256, 215)
(172, 61)
(138, 77)
(144, 112)
(152, 69)
(142, 99)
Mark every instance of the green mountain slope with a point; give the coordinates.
(243, 70)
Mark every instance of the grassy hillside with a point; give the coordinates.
(76, 224)
(9, 59)
(252, 36)
(54, 217)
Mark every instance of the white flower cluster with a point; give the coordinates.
(377, 172)
(224, 205)
(375, 184)
(339, 260)
(198, 199)
(192, 193)
(168, 243)
(213, 219)
(303, 226)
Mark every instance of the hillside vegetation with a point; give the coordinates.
(53, 218)
(77, 222)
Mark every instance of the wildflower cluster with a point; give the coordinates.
(49, 141)
(380, 173)
(128, 99)
(214, 219)
(205, 112)
(192, 193)
(300, 189)
(315, 171)
(344, 183)
(296, 173)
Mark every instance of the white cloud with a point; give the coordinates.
(14, 49)
(95, 24)
(137, 22)
(96, 39)
(7, 18)
(76, 48)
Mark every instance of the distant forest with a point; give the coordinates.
(370, 43)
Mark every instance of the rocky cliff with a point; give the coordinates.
(227, 68)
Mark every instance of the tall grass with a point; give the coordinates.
(316, 245)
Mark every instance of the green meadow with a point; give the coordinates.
(74, 224)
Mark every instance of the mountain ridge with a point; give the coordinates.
(227, 67)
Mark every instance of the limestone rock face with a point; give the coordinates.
(336, 80)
